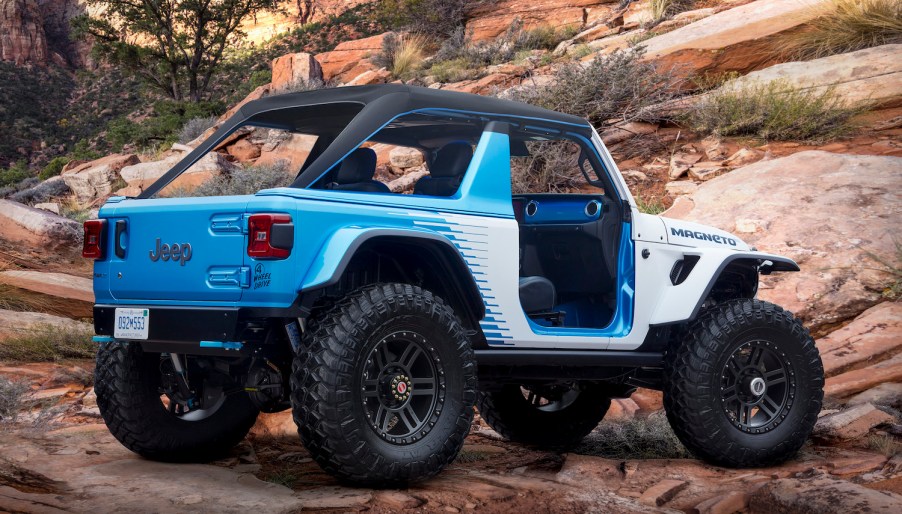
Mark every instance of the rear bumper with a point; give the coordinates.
(177, 324)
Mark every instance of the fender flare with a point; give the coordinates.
(764, 262)
(338, 251)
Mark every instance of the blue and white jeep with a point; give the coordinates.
(367, 312)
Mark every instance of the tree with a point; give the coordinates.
(175, 45)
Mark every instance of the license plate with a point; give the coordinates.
(131, 323)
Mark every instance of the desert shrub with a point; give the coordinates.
(845, 26)
(194, 127)
(54, 167)
(245, 181)
(616, 87)
(550, 167)
(42, 192)
(401, 54)
(774, 110)
(459, 58)
(49, 343)
(637, 438)
(23, 185)
(438, 18)
(12, 398)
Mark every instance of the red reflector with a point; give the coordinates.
(259, 244)
(93, 245)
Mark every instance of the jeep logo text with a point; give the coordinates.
(175, 252)
(702, 236)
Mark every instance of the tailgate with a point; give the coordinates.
(178, 249)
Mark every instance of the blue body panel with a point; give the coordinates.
(327, 224)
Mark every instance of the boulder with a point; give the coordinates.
(889, 394)
(489, 20)
(17, 324)
(706, 170)
(740, 39)
(276, 146)
(405, 157)
(682, 187)
(349, 59)
(244, 151)
(872, 75)
(48, 206)
(851, 423)
(743, 157)
(873, 336)
(406, 183)
(832, 213)
(662, 492)
(291, 69)
(144, 174)
(94, 180)
(369, 77)
(40, 228)
(858, 380)
(821, 495)
(59, 285)
(680, 162)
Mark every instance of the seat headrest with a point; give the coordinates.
(358, 166)
(451, 160)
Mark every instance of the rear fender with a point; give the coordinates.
(338, 251)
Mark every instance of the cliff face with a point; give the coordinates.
(37, 32)
(293, 13)
(22, 37)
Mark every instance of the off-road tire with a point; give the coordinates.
(696, 368)
(127, 384)
(328, 400)
(510, 414)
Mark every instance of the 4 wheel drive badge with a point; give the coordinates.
(174, 252)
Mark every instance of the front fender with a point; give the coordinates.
(679, 303)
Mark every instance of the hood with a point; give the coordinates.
(685, 233)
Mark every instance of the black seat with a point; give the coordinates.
(446, 171)
(537, 294)
(356, 173)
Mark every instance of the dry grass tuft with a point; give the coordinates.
(845, 26)
(774, 110)
(50, 343)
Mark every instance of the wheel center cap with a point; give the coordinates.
(757, 386)
(400, 387)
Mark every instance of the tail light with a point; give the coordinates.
(270, 236)
(93, 246)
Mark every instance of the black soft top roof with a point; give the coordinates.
(345, 117)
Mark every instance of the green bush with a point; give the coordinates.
(772, 111)
(16, 173)
(615, 87)
(54, 167)
(162, 126)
